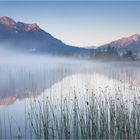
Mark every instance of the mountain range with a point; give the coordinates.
(124, 46)
(31, 38)
(126, 42)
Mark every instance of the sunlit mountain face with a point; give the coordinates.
(127, 47)
(125, 42)
(19, 26)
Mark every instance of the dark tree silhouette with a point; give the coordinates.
(109, 48)
(129, 54)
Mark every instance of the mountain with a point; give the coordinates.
(126, 42)
(123, 46)
(19, 36)
(31, 38)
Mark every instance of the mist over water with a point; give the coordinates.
(28, 77)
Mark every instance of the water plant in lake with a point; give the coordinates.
(102, 117)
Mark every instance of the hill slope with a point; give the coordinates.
(31, 38)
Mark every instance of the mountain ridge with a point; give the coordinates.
(31, 38)
(10, 23)
(122, 42)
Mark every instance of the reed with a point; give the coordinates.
(97, 118)
(100, 115)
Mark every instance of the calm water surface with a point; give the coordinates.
(38, 78)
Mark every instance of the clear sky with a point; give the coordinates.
(79, 23)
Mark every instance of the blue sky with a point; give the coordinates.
(79, 23)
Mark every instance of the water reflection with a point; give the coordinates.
(23, 81)
(21, 84)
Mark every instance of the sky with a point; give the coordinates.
(81, 23)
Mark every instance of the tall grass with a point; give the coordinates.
(96, 118)
(100, 115)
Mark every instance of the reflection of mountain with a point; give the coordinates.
(7, 100)
(22, 84)
(12, 97)
(28, 84)
(31, 38)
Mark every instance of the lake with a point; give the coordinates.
(52, 97)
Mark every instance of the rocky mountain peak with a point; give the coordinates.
(10, 23)
(27, 27)
(135, 37)
(7, 21)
